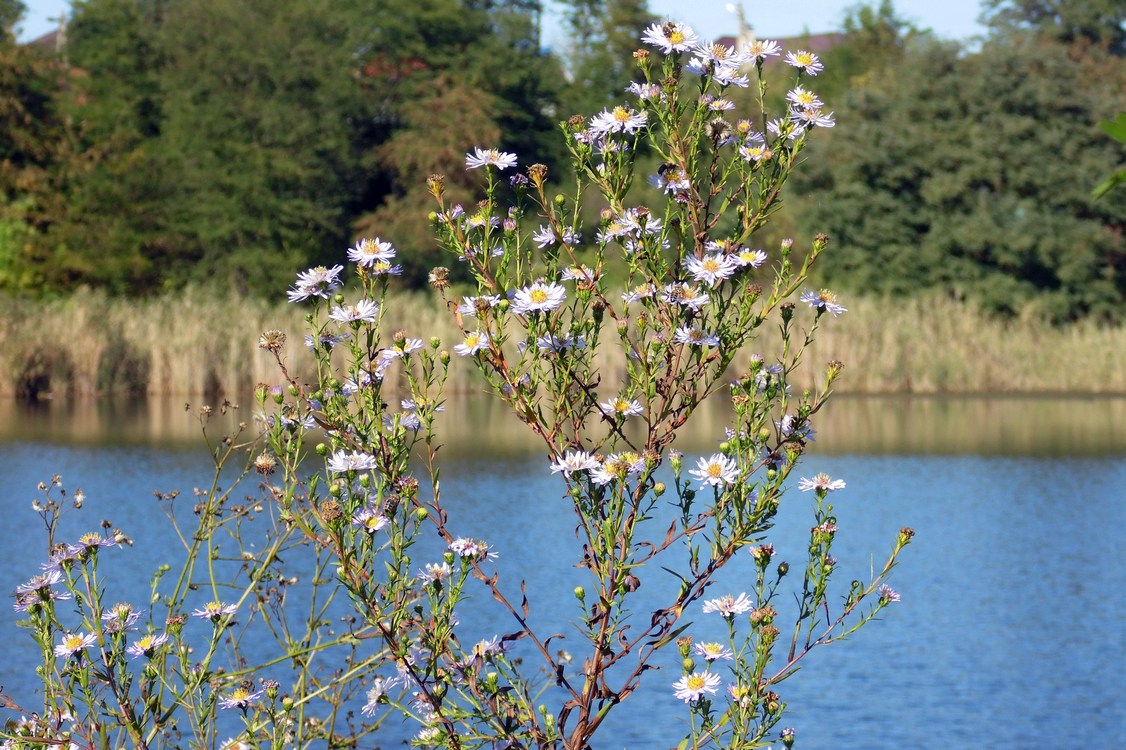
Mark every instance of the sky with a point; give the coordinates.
(952, 19)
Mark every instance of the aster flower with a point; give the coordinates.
(791, 429)
(729, 606)
(692, 687)
(693, 336)
(670, 180)
(748, 257)
(711, 269)
(472, 305)
(805, 61)
(120, 617)
(240, 698)
(617, 466)
(74, 643)
(684, 295)
(762, 49)
(343, 461)
(578, 273)
(539, 297)
(622, 407)
(715, 470)
(435, 572)
(469, 548)
(92, 541)
(756, 152)
(489, 158)
(316, 282)
(618, 120)
(40, 583)
(544, 237)
(728, 76)
(888, 594)
(368, 252)
(713, 651)
(821, 483)
(670, 37)
(368, 520)
(645, 91)
(720, 56)
(365, 310)
(325, 341)
(811, 118)
(215, 611)
(803, 98)
(639, 293)
(553, 343)
(575, 461)
(146, 645)
(474, 342)
(823, 300)
(380, 686)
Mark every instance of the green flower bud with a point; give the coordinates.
(659, 489)
(421, 514)
(292, 389)
(322, 449)
(435, 342)
(580, 593)
(688, 665)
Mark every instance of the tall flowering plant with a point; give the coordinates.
(696, 291)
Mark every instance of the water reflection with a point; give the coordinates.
(859, 425)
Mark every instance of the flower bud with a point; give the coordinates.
(322, 449)
(560, 199)
(783, 568)
(688, 665)
(435, 342)
(580, 593)
(659, 489)
(421, 514)
(444, 357)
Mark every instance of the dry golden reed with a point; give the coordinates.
(197, 342)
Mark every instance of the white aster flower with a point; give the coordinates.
(692, 687)
(368, 252)
(146, 645)
(803, 98)
(575, 461)
(435, 572)
(812, 118)
(747, 257)
(805, 61)
(682, 294)
(73, 643)
(715, 470)
(343, 461)
(756, 152)
(693, 336)
(489, 158)
(622, 407)
(670, 37)
(470, 305)
(365, 310)
(822, 300)
(729, 606)
(474, 342)
(711, 269)
(618, 120)
(539, 297)
(821, 483)
(578, 273)
(762, 49)
(367, 519)
(315, 282)
(379, 688)
(713, 651)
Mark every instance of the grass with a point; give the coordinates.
(195, 343)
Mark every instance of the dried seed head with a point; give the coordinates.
(272, 341)
(439, 278)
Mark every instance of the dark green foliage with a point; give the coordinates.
(972, 173)
(1099, 21)
(601, 37)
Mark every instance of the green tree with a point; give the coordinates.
(601, 36)
(1100, 21)
(971, 173)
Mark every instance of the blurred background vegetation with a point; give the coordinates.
(227, 144)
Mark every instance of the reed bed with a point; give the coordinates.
(199, 343)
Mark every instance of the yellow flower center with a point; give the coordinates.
(715, 470)
(711, 265)
(805, 58)
(73, 642)
(696, 682)
(676, 37)
(538, 296)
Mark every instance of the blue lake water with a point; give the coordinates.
(1010, 630)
